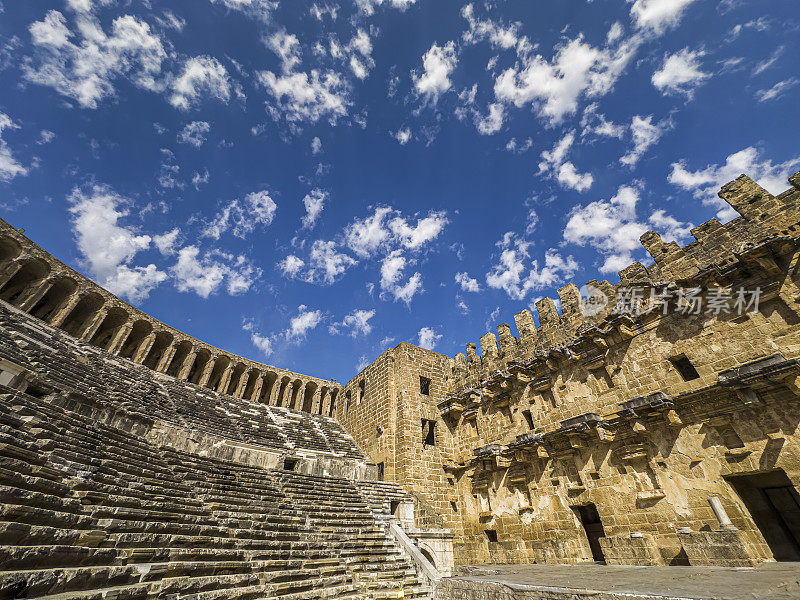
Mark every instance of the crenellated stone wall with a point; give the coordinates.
(627, 426)
(37, 283)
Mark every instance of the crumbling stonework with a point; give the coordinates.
(656, 434)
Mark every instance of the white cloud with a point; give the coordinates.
(365, 236)
(768, 62)
(199, 179)
(705, 183)
(355, 324)
(318, 11)
(680, 73)
(326, 263)
(368, 6)
(428, 338)
(438, 63)
(555, 164)
(86, 69)
(612, 228)
(108, 248)
(554, 87)
(9, 166)
(302, 323)
(518, 275)
(166, 242)
(492, 122)
(314, 202)
(263, 343)
(287, 47)
(645, 134)
(242, 216)
(316, 146)
(45, 135)
(307, 97)
(658, 15)
(194, 133)
(202, 76)
(426, 229)
(467, 283)
(291, 265)
(519, 147)
(402, 135)
(500, 36)
(204, 275)
(260, 10)
(777, 90)
(392, 269)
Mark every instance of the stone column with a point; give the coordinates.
(186, 367)
(94, 324)
(257, 387)
(225, 379)
(35, 294)
(9, 271)
(62, 313)
(273, 396)
(166, 358)
(118, 339)
(324, 402)
(722, 516)
(242, 384)
(300, 396)
(316, 401)
(144, 348)
(206, 374)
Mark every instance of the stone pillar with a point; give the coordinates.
(35, 294)
(94, 324)
(257, 387)
(722, 516)
(166, 358)
(316, 402)
(9, 271)
(144, 348)
(273, 395)
(62, 313)
(324, 402)
(225, 379)
(188, 362)
(118, 340)
(206, 374)
(239, 392)
(298, 397)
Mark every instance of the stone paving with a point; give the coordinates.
(768, 581)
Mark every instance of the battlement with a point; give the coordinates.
(749, 242)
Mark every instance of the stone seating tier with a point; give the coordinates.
(89, 511)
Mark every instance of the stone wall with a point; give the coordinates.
(600, 433)
(43, 286)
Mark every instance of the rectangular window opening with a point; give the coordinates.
(428, 432)
(491, 535)
(528, 418)
(380, 471)
(685, 367)
(361, 389)
(424, 386)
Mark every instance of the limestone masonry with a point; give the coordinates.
(651, 422)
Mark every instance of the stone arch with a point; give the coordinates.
(200, 362)
(250, 387)
(54, 299)
(236, 376)
(160, 345)
(182, 351)
(429, 554)
(217, 372)
(29, 274)
(82, 313)
(308, 396)
(114, 319)
(9, 250)
(139, 331)
(295, 392)
(270, 379)
(283, 392)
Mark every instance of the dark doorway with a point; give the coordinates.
(590, 519)
(775, 507)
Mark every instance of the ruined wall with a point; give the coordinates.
(603, 430)
(37, 283)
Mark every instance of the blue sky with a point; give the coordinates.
(308, 183)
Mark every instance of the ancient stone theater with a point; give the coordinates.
(653, 421)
